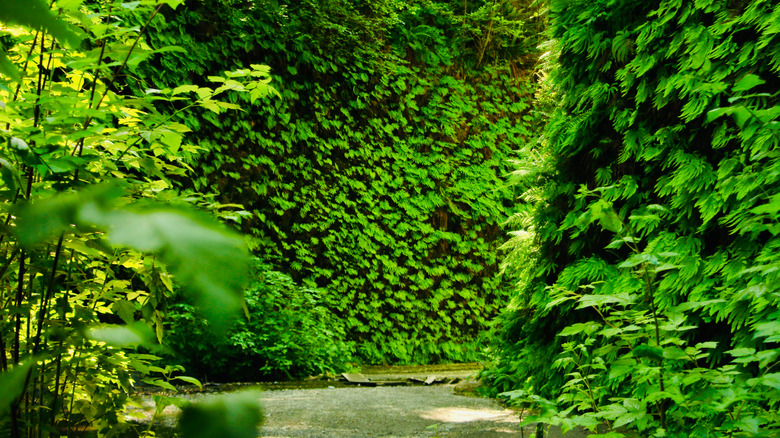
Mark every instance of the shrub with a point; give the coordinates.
(287, 333)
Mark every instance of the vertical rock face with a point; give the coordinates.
(658, 188)
(378, 175)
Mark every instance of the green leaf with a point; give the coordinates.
(125, 309)
(638, 259)
(43, 218)
(627, 418)
(583, 327)
(9, 176)
(606, 215)
(740, 352)
(772, 380)
(234, 415)
(747, 82)
(136, 334)
(648, 351)
(593, 300)
(130, 5)
(12, 385)
(191, 380)
(769, 329)
(690, 305)
(36, 14)
(184, 89)
(199, 252)
(8, 68)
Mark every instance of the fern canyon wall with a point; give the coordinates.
(378, 173)
(654, 228)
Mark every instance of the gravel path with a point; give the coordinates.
(380, 412)
(412, 411)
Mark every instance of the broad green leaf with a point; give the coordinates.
(235, 415)
(717, 112)
(8, 68)
(769, 329)
(130, 5)
(125, 309)
(44, 218)
(172, 3)
(185, 89)
(191, 380)
(772, 380)
(593, 300)
(690, 305)
(136, 334)
(36, 14)
(703, 345)
(212, 262)
(9, 176)
(747, 82)
(608, 219)
(559, 300)
(739, 352)
(771, 207)
(638, 259)
(582, 327)
(172, 140)
(160, 383)
(12, 385)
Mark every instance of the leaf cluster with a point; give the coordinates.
(378, 175)
(287, 334)
(93, 235)
(654, 219)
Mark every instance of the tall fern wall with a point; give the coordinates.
(667, 112)
(378, 174)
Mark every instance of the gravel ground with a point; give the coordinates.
(381, 412)
(411, 411)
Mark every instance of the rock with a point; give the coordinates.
(467, 387)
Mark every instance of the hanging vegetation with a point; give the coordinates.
(378, 175)
(654, 291)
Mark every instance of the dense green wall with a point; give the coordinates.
(378, 174)
(658, 184)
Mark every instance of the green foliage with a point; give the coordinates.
(93, 235)
(37, 15)
(378, 175)
(235, 415)
(654, 289)
(287, 334)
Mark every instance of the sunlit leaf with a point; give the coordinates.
(10, 176)
(202, 255)
(136, 334)
(191, 380)
(12, 385)
(36, 14)
(210, 261)
(7, 67)
(748, 82)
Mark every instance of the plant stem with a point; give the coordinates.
(46, 298)
(661, 384)
(127, 58)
